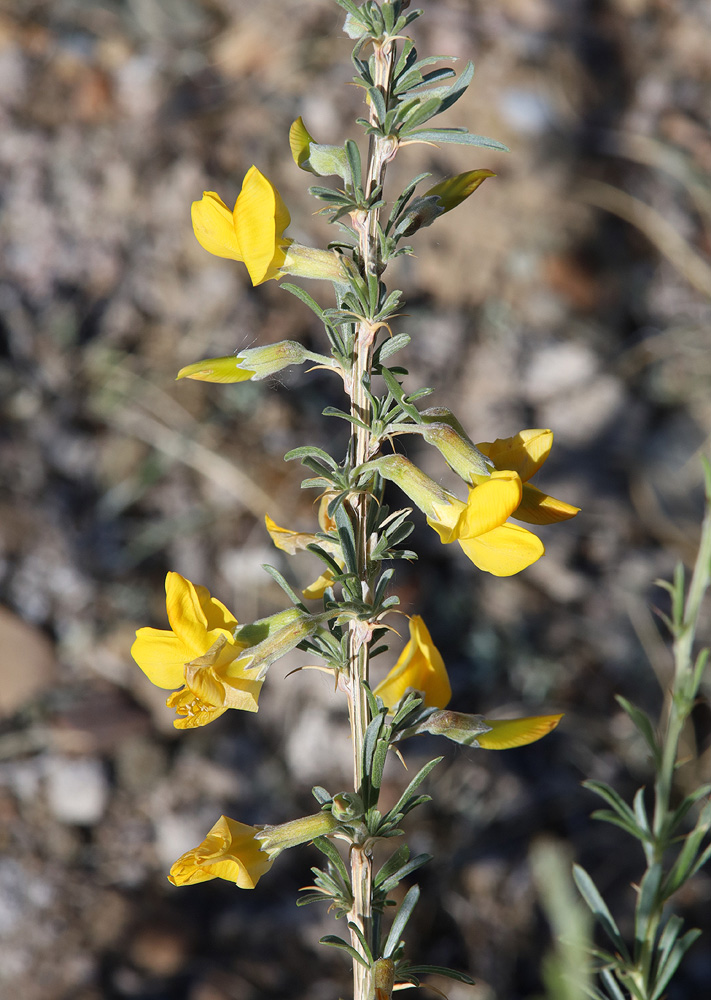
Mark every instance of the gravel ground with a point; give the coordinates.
(571, 292)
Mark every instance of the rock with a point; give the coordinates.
(27, 662)
(77, 789)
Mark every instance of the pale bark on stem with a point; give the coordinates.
(380, 152)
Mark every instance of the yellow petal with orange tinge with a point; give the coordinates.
(260, 220)
(420, 667)
(508, 733)
(229, 851)
(161, 655)
(490, 504)
(214, 226)
(525, 452)
(537, 507)
(504, 551)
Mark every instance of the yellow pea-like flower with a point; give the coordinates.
(525, 453)
(420, 667)
(199, 655)
(230, 851)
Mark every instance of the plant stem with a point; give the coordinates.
(380, 152)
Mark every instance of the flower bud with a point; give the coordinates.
(347, 806)
(255, 363)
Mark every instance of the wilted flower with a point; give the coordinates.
(230, 851)
(297, 541)
(420, 667)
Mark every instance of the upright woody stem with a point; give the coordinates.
(381, 151)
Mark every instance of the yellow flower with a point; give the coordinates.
(489, 734)
(479, 525)
(420, 667)
(297, 541)
(229, 851)
(199, 652)
(524, 454)
(253, 232)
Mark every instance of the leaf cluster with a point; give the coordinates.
(673, 852)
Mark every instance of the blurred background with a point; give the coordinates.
(573, 292)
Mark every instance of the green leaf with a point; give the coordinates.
(671, 964)
(440, 970)
(608, 816)
(311, 451)
(644, 725)
(592, 897)
(346, 535)
(396, 860)
(278, 578)
(399, 923)
(336, 942)
(321, 795)
(325, 846)
(416, 781)
(355, 929)
(456, 135)
(379, 758)
(612, 985)
(648, 902)
(613, 799)
(388, 884)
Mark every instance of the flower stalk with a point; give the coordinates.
(380, 151)
(217, 664)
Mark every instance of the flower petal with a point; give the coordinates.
(525, 453)
(319, 586)
(216, 614)
(537, 507)
(508, 733)
(185, 613)
(420, 666)
(504, 551)
(214, 226)
(260, 220)
(229, 851)
(161, 655)
(222, 370)
(192, 713)
(490, 504)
